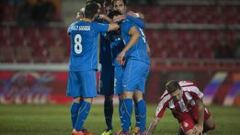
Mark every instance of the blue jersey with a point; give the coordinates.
(138, 21)
(139, 50)
(84, 43)
(116, 42)
(116, 45)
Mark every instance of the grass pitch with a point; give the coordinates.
(55, 120)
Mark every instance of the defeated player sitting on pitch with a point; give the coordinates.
(184, 99)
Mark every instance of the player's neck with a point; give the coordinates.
(86, 20)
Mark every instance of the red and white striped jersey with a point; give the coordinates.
(190, 93)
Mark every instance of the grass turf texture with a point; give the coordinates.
(55, 120)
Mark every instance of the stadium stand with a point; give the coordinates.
(203, 14)
(192, 31)
(7, 54)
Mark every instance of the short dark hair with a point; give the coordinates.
(107, 3)
(91, 9)
(89, 2)
(172, 86)
(124, 2)
(114, 13)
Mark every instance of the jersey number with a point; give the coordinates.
(77, 44)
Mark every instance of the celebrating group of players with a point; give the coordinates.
(125, 64)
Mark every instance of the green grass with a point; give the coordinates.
(55, 120)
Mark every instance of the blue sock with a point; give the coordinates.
(137, 115)
(74, 112)
(82, 115)
(141, 106)
(127, 106)
(120, 111)
(108, 112)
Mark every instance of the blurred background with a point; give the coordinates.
(196, 40)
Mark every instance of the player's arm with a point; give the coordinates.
(148, 49)
(153, 126)
(138, 21)
(80, 14)
(113, 26)
(138, 15)
(201, 107)
(198, 96)
(162, 106)
(100, 27)
(134, 34)
(141, 15)
(133, 18)
(106, 18)
(137, 18)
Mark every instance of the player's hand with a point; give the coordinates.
(79, 16)
(131, 13)
(120, 58)
(199, 128)
(102, 16)
(134, 14)
(119, 18)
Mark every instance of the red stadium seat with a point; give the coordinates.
(57, 53)
(24, 54)
(7, 53)
(8, 13)
(207, 14)
(40, 52)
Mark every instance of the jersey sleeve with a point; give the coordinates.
(100, 27)
(185, 83)
(126, 26)
(195, 93)
(162, 105)
(69, 30)
(164, 93)
(139, 22)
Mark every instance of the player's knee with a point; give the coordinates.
(77, 100)
(89, 100)
(191, 132)
(188, 133)
(138, 96)
(127, 95)
(212, 126)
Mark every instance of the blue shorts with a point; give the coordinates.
(82, 84)
(118, 72)
(135, 75)
(107, 81)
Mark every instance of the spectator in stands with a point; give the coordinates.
(24, 14)
(43, 12)
(224, 51)
(237, 49)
